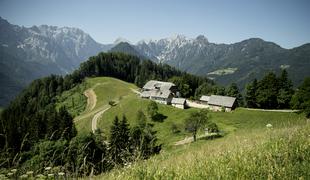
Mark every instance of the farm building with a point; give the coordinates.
(179, 102)
(219, 103)
(204, 99)
(161, 92)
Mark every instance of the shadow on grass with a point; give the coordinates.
(159, 117)
(212, 136)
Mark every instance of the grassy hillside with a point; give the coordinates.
(129, 103)
(248, 150)
(279, 153)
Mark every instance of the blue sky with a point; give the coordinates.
(286, 22)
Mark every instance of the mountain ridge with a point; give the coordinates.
(37, 51)
(238, 62)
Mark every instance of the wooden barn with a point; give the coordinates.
(179, 102)
(222, 103)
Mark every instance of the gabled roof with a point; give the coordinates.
(225, 101)
(156, 93)
(204, 98)
(178, 101)
(161, 94)
(152, 84)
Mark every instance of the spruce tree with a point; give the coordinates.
(250, 95)
(119, 141)
(143, 138)
(285, 92)
(233, 91)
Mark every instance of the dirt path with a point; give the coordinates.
(96, 117)
(91, 104)
(273, 110)
(135, 91)
(91, 99)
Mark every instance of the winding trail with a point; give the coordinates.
(273, 110)
(90, 110)
(96, 117)
(91, 99)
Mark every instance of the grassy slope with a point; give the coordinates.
(247, 151)
(106, 89)
(279, 153)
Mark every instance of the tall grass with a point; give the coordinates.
(261, 154)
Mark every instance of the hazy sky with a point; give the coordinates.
(286, 22)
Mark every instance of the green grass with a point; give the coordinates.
(129, 103)
(247, 151)
(73, 99)
(106, 89)
(278, 153)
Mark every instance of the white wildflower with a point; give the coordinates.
(29, 172)
(61, 173)
(48, 168)
(269, 126)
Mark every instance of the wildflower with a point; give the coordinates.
(29, 172)
(24, 176)
(48, 168)
(41, 176)
(269, 126)
(50, 175)
(10, 174)
(61, 173)
(13, 170)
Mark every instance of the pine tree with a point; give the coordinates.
(267, 92)
(119, 141)
(250, 95)
(143, 138)
(233, 91)
(285, 92)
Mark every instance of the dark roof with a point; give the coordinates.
(178, 101)
(225, 101)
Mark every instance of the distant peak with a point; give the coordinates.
(202, 38)
(178, 37)
(120, 39)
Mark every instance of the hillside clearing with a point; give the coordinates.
(247, 150)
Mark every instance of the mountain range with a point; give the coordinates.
(37, 51)
(225, 63)
(30, 53)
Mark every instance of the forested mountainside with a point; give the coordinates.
(30, 53)
(226, 63)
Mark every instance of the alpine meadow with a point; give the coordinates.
(156, 90)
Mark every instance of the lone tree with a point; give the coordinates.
(152, 109)
(196, 121)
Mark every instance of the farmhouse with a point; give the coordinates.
(219, 103)
(179, 102)
(159, 91)
(204, 99)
